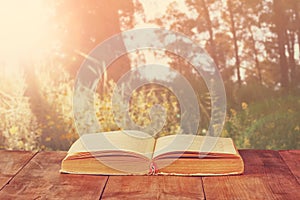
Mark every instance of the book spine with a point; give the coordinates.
(152, 169)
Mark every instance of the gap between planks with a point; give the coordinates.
(102, 192)
(290, 162)
(21, 168)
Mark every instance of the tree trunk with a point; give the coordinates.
(257, 65)
(280, 22)
(296, 7)
(291, 51)
(211, 33)
(236, 48)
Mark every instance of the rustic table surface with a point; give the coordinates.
(268, 175)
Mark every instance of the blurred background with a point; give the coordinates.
(254, 43)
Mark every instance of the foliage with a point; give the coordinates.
(55, 111)
(259, 38)
(268, 123)
(18, 126)
(253, 120)
(141, 103)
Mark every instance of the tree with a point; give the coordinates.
(84, 25)
(280, 26)
(78, 28)
(233, 29)
(250, 20)
(292, 33)
(204, 22)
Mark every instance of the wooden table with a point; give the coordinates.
(268, 175)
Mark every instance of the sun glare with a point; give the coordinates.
(23, 28)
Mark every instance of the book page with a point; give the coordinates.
(131, 141)
(194, 143)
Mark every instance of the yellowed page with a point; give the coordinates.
(193, 143)
(129, 140)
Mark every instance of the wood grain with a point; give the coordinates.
(266, 177)
(11, 162)
(292, 160)
(153, 187)
(40, 179)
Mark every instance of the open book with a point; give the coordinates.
(136, 153)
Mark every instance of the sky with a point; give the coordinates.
(154, 9)
(25, 33)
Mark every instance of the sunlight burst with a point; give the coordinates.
(23, 29)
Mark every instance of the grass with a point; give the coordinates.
(41, 117)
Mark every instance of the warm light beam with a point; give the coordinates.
(23, 28)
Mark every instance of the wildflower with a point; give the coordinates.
(233, 112)
(244, 105)
(13, 130)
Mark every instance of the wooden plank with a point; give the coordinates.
(153, 187)
(266, 177)
(11, 162)
(40, 179)
(292, 160)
